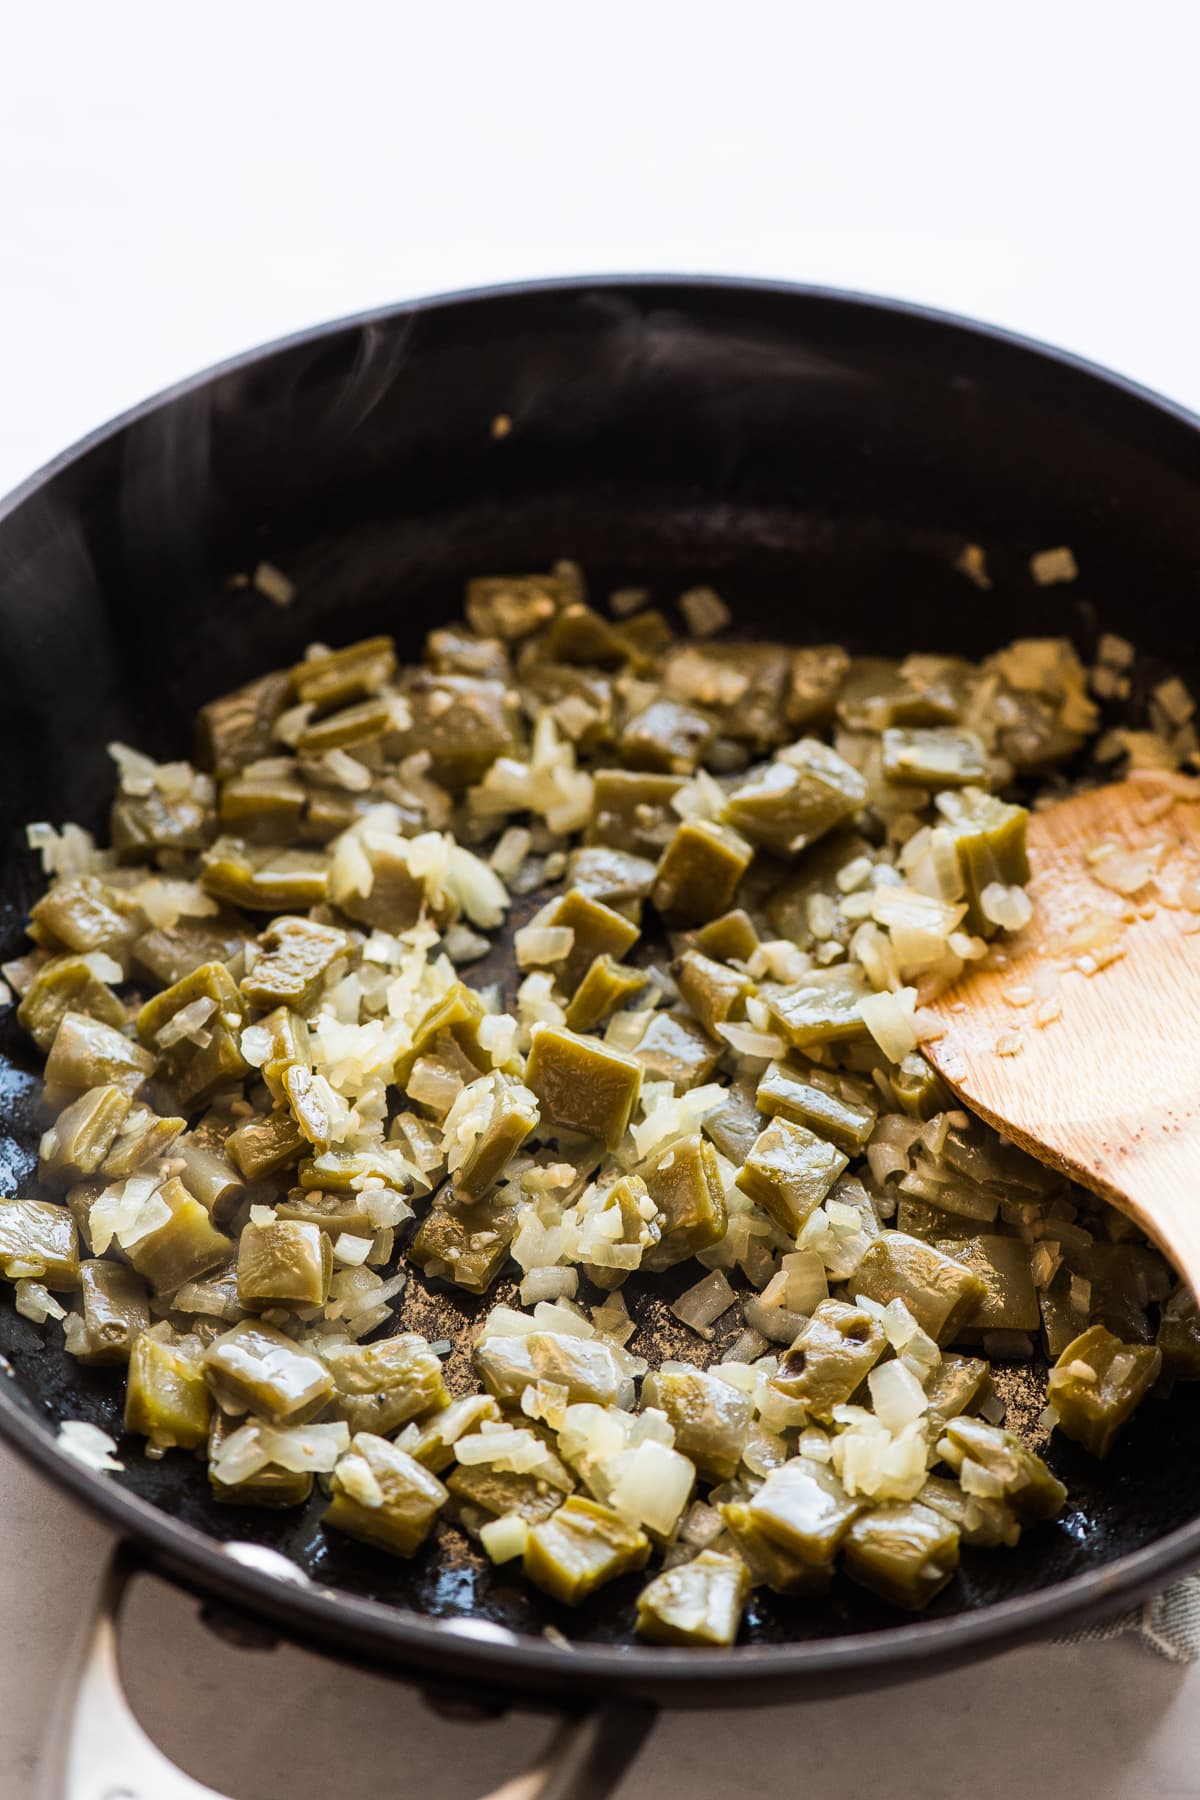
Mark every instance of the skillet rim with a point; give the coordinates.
(521, 1666)
(528, 1669)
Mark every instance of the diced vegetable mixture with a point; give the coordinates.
(273, 1092)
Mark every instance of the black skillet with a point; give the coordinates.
(820, 457)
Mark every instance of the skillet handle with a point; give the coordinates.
(97, 1750)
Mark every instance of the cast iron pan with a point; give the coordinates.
(822, 458)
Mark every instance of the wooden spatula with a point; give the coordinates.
(1079, 1036)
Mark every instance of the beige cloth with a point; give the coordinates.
(1168, 1624)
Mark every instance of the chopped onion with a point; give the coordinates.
(434, 1084)
(256, 1045)
(875, 1462)
(129, 1211)
(1125, 871)
(345, 771)
(667, 1118)
(506, 1321)
(35, 1301)
(889, 1019)
(504, 1538)
(1115, 652)
(510, 1448)
(699, 798)
(305, 1448)
(539, 944)
(1009, 907)
(274, 584)
(972, 562)
(164, 904)
(700, 1305)
(1051, 566)
(462, 945)
(512, 847)
(980, 1482)
(897, 1396)
(240, 1456)
(1075, 1370)
(69, 852)
(189, 1023)
(536, 1004)
(135, 771)
(88, 1445)
(705, 611)
(779, 959)
(549, 1284)
(764, 1451)
(548, 1401)
(351, 1250)
(1175, 700)
(806, 1281)
(550, 1316)
(763, 1045)
(357, 1478)
(653, 1486)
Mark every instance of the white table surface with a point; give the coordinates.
(179, 182)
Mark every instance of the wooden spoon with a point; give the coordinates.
(1079, 1036)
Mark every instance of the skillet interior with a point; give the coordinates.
(821, 459)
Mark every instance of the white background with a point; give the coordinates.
(178, 182)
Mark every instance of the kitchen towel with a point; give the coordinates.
(1167, 1623)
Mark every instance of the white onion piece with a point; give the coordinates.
(889, 1019)
(504, 1538)
(896, 1395)
(549, 1284)
(1008, 907)
(88, 1445)
(536, 945)
(35, 1301)
(653, 1486)
(761, 1044)
(700, 1305)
